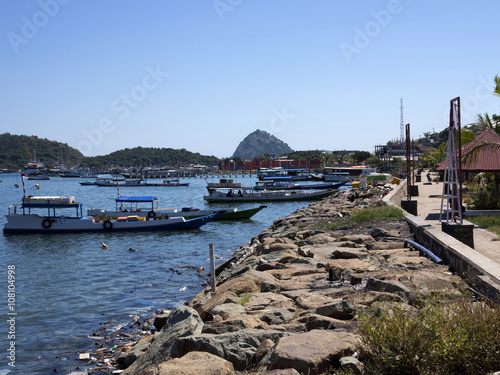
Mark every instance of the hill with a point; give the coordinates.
(149, 156)
(259, 143)
(17, 150)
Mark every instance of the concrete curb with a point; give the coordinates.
(479, 271)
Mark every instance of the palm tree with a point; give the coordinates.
(497, 86)
(485, 121)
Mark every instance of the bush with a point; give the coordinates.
(437, 337)
(487, 198)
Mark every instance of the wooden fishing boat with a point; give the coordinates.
(27, 218)
(148, 206)
(250, 195)
(167, 183)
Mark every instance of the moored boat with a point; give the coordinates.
(38, 176)
(20, 218)
(87, 183)
(287, 185)
(171, 182)
(114, 182)
(148, 206)
(250, 195)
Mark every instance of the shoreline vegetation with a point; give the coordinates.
(330, 289)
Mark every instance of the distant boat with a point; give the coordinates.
(147, 206)
(250, 195)
(174, 182)
(87, 183)
(38, 176)
(22, 220)
(116, 182)
(73, 173)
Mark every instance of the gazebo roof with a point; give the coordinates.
(488, 158)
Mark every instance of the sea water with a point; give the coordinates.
(67, 284)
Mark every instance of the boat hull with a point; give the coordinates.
(233, 214)
(34, 223)
(270, 196)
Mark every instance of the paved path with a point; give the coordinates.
(429, 208)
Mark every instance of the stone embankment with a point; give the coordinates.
(286, 303)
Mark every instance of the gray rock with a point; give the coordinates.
(227, 309)
(160, 321)
(182, 321)
(263, 349)
(342, 309)
(236, 347)
(277, 316)
(130, 356)
(234, 324)
(388, 286)
(378, 233)
(352, 365)
(267, 286)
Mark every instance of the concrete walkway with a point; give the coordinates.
(429, 208)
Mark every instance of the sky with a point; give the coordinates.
(203, 74)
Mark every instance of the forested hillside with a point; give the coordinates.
(148, 157)
(17, 150)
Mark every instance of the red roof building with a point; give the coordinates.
(487, 159)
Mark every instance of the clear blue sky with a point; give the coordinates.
(203, 74)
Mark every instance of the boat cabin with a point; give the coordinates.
(131, 204)
(51, 203)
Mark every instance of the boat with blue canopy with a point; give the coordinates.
(61, 214)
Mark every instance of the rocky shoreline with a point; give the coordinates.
(286, 303)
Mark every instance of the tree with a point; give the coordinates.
(485, 121)
(497, 85)
(373, 160)
(360, 156)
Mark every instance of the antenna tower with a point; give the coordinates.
(402, 124)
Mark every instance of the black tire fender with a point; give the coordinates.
(46, 223)
(108, 225)
(151, 214)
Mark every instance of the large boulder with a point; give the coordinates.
(311, 352)
(236, 347)
(196, 363)
(182, 321)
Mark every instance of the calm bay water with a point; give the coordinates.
(66, 284)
